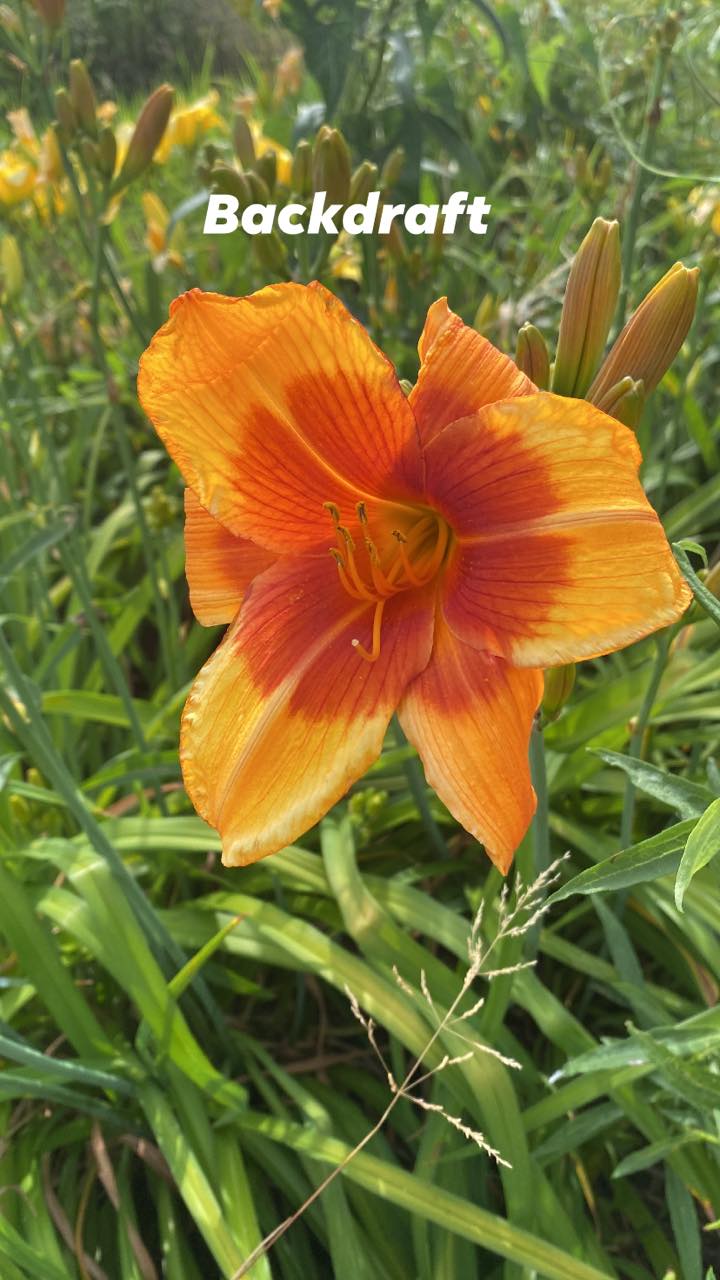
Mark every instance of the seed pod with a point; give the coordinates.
(531, 356)
(588, 308)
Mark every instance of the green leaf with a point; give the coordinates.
(688, 798)
(703, 843)
(686, 1229)
(649, 860)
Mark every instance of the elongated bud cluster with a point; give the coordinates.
(151, 125)
(653, 335)
(588, 308)
(531, 356)
(82, 97)
(331, 166)
(559, 684)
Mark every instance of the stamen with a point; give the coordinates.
(373, 654)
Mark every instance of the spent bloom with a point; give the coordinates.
(374, 552)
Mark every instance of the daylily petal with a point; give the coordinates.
(286, 714)
(460, 373)
(558, 554)
(469, 715)
(274, 404)
(219, 567)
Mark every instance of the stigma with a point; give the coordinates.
(382, 567)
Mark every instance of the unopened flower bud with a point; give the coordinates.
(65, 114)
(151, 125)
(52, 12)
(331, 169)
(653, 335)
(271, 252)
(231, 183)
(90, 153)
(531, 356)
(362, 182)
(82, 96)
(559, 684)
(258, 187)
(243, 144)
(588, 308)
(266, 168)
(625, 401)
(11, 268)
(392, 168)
(302, 169)
(107, 152)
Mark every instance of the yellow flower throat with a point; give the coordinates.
(406, 560)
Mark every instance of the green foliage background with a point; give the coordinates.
(181, 1066)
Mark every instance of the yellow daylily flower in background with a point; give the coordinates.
(188, 123)
(157, 220)
(284, 157)
(17, 178)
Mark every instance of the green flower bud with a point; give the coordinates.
(151, 125)
(331, 168)
(65, 114)
(625, 401)
(82, 96)
(107, 152)
(11, 268)
(531, 356)
(559, 684)
(392, 168)
(590, 301)
(653, 335)
(266, 168)
(229, 182)
(243, 144)
(363, 182)
(302, 169)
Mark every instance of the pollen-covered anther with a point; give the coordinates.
(407, 559)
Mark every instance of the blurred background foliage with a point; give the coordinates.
(181, 1065)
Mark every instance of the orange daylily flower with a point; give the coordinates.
(477, 531)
